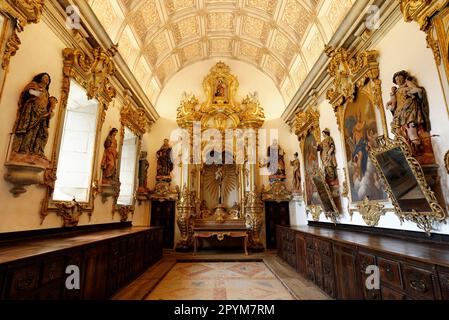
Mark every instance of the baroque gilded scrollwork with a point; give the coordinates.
(135, 120)
(24, 12)
(371, 211)
(185, 215)
(315, 211)
(71, 211)
(93, 72)
(446, 161)
(432, 17)
(277, 192)
(397, 155)
(351, 74)
(254, 218)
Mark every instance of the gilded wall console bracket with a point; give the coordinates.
(371, 211)
(277, 192)
(315, 211)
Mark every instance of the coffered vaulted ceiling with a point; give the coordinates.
(157, 38)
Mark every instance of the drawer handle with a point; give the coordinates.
(418, 285)
(390, 274)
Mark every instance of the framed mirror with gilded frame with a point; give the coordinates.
(406, 184)
(85, 97)
(133, 127)
(328, 206)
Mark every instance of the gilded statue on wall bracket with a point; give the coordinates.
(30, 134)
(411, 118)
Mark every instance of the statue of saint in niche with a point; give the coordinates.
(276, 163)
(296, 173)
(33, 117)
(411, 119)
(164, 162)
(109, 161)
(327, 152)
(143, 172)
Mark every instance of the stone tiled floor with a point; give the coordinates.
(220, 281)
(231, 283)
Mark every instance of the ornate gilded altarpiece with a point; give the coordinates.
(18, 14)
(92, 71)
(221, 191)
(356, 98)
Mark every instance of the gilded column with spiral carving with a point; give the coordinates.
(254, 219)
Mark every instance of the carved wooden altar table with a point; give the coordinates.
(228, 228)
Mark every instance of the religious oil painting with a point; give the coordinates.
(311, 165)
(360, 130)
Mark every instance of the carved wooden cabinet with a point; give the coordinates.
(319, 264)
(341, 263)
(287, 246)
(105, 265)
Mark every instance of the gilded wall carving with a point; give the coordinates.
(433, 18)
(355, 95)
(23, 12)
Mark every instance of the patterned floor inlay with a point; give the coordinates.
(220, 281)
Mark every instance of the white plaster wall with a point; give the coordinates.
(34, 57)
(190, 79)
(404, 47)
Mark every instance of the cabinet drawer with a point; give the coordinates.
(444, 283)
(324, 248)
(23, 281)
(310, 244)
(390, 272)
(53, 269)
(365, 260)
(390, 294)
(419, 283)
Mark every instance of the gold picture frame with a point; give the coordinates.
(355, 96)
(406, 184)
